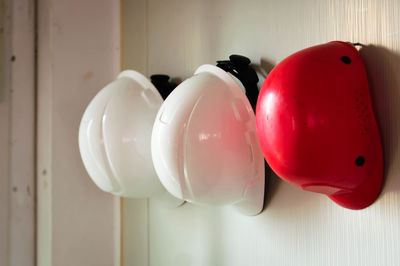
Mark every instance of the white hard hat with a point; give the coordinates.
(115, 135)
(204, 144)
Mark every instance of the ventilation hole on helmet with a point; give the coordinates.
(346, 60)
(360, 161)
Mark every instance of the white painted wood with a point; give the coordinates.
(22, 136)
(297, 227)
(5, 54)
(79, 53)
(44, 153)
(135, 232)
(134, 35)
(17, 134)
(135, 211)
(4, 13)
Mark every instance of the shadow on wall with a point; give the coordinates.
(272, 181)
(383, 68)
(264, 67)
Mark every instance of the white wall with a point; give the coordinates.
(4, 128)
(79, 53)
(17, 134)
(297, 227)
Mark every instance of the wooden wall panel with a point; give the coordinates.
(135, 211)
(79, 53)
(4, 131)
(297, 227)
(17, 134)
(22, 135)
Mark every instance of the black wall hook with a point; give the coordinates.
(239, 66)
(161, 82)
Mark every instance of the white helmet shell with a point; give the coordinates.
(204, 144)
(115, 138)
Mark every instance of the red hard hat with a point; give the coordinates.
(316, 125)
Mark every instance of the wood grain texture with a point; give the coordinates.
(297, 227)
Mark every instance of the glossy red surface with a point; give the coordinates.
(317, 128)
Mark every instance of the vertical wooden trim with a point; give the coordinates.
(146, 37)
(35, 12)
(44, 133)
(117, 231)
(122, 247)
(134, 218)
(5, 75)
(122, 47)
(22, 136)
(122, 26)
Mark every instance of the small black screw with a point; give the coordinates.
(360, 161)
(13, 58)
(346, 60)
